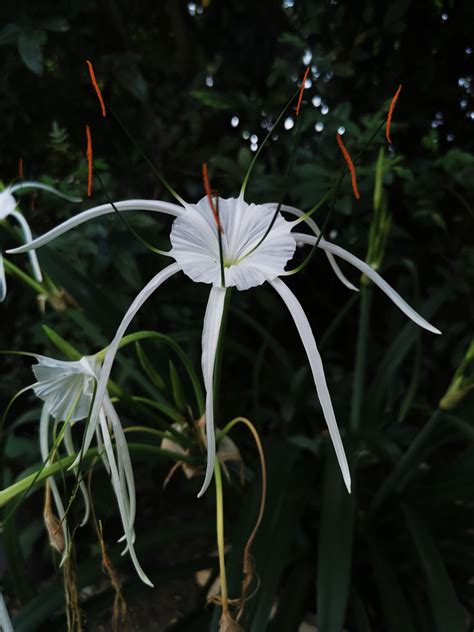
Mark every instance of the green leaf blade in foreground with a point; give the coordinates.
(395, 607)
(335, 548)
(448, 611)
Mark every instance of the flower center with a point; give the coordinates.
(195, 243)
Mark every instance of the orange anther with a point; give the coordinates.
(300, 96)
(390, 114)
(350, 164)
(209, 192)
(96, 86)
(89, 161)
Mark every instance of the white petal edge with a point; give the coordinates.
(31, 184)
(44, 449)
(28, 237)
(119, 495)
(3, 280)
(104, 209)
(316, 364)
(316, 230)
(373, 276)
(141, 297)
(124, 456)
(210, 338)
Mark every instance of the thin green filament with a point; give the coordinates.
(167, 186)
(264, 142)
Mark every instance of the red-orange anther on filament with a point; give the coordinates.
(207, 188)
(300, 96)
(350, 164)
(390, 114)
(96, 87)
(20, 169)
(89, 161)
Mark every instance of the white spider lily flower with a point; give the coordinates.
(8, 208)
(249, 261)
(67, 389)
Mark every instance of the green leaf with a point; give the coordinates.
(178, 391)
(448, 612)
(394, 604)
(8, 34)
(154, 376)
(30, 47)
(213, 99)
(395, 355)
(292, 601)
(334, 549)
(63, 345)
(60, 25)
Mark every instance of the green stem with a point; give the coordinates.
(394, 480)
(62, 464)
(220, 534)
(361, 357)
(12, 269)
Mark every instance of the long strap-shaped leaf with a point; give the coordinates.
(448, 612)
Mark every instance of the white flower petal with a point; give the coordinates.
(32, 184)
(309, 343)
(7, 203)
(28, 237)
(210, 338)
(314, 227)
(195, 242)
(3, 281)
(147, 291)
(123, 454)
(129, 535)
(66, 386)
(373, 276)
(104, 209)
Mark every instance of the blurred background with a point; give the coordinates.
(205, 81)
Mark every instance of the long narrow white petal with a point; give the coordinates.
(119, 495)
(210, 337)
(69, 443)
(5, 621)
(314, 227)
(147, 291)
(373, 276)
(44, 449)
(126, 205)
(3, 281)
(309, 343)
(123, 455)
(28, 237)
(31, 184)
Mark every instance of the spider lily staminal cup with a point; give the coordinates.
(196, 249)
(67, 389)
